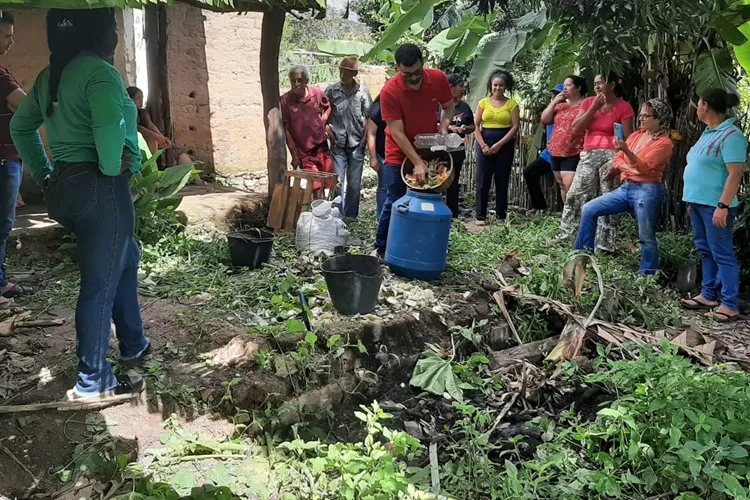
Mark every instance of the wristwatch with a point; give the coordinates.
(723, 206)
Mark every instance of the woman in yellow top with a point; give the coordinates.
(497, 122)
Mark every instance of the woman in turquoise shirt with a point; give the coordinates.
(92, 133)
(712, 178)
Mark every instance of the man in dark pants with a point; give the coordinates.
(409, 104)
(11, 169)
(534, 171)
(462, 124)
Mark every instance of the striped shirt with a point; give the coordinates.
(706, 172)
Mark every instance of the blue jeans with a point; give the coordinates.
(643, 201)
(720, 268)
(348, 163)
(99, 210)
(10, 182)
(396, 189)
(382, 191)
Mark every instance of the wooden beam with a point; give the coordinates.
(270, 45)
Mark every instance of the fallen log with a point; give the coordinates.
(533, 352)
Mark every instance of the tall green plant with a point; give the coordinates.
(156, 192)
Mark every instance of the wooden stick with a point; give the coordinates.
(84, 404)
(20, 464)
(39, 323)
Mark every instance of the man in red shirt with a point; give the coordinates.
(11, 169)
(410, 104)
(305, 111)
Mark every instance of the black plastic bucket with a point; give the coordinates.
(353, 282)
(250, 248)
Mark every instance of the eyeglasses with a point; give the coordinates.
(643, 117)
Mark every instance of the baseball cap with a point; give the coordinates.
(559, 88)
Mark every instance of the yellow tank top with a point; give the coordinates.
(493, 117)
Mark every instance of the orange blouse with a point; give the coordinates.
(652, 158)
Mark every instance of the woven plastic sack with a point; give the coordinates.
(321, 230)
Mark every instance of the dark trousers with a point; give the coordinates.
(98, 209)
(451, 197)
(533, 173)
(497, 166)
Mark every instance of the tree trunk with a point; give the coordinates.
(272, 29)
(159, 99)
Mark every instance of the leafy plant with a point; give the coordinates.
(155, 192)
(373, 469)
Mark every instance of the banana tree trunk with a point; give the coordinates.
(272, 29)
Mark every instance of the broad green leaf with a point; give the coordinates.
(394, 31)
(728, 30)
(712, 70)
(742, 52)
(420, 27)
(344, 47)
(441, 47)
(496, 52)
(435, 375)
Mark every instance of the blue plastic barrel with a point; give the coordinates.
(418, 236)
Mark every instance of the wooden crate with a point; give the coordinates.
(290, 197)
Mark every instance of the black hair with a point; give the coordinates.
(454, 80)
(614, 78)
(134, 91)
(510, 82)
(7, 18)
(70, 32)
(408, 55)
(580, 83)
(719, 100)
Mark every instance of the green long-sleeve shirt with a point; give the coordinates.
(94, 120)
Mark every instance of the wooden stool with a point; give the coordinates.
(290, 198)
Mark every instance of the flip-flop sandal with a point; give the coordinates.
(694, 305)
(720, 317)
(17, 290)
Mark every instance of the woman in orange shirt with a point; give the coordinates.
(640, 162)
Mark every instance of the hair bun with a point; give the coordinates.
(732, 100)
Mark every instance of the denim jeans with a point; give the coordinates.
(396, 189)
(720, 268)
(382, 191)
(641, 200)
(10, 182)
(452, 195)
(98, 209)
(348, 163)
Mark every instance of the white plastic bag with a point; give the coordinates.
(321, 230)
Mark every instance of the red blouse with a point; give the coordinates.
(564, 143)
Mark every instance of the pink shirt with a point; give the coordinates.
(601, 131)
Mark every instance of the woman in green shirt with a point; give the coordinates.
(92, 133)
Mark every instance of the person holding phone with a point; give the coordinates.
(641, 162)
(596, 119)
(712, 179)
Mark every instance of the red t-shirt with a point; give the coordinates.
(7, 85)
(564, 143)
(302, 118)
(601, 131)
(417, 109)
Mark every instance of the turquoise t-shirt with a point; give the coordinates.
(706, 172)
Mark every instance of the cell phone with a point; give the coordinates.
(619, 132)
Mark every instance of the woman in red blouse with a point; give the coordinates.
(565, 146)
